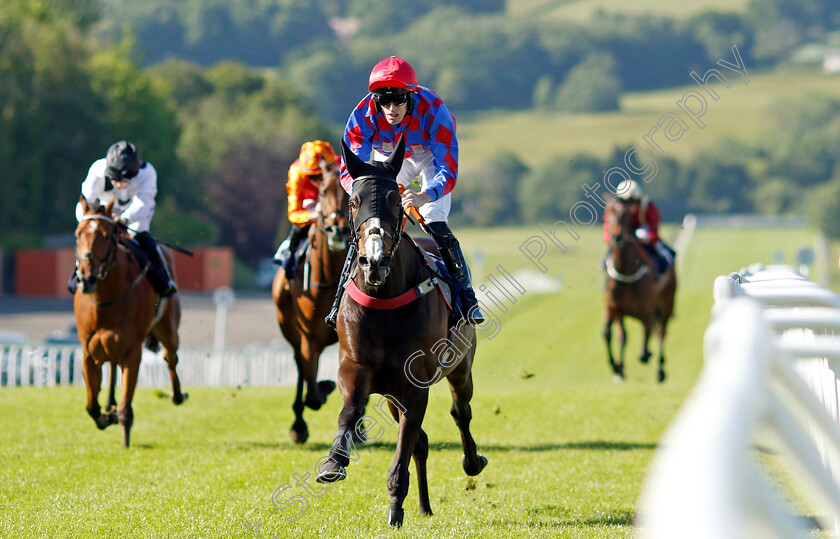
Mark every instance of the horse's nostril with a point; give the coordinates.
(363, 260)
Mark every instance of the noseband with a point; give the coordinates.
(377, 192)
(105, 264)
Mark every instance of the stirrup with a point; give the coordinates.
(332, 318)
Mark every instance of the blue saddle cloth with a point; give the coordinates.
(444, 275)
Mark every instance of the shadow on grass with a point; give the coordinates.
(595, 445)
(560, 518)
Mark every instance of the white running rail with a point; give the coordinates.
(770, 377)
(48, 366)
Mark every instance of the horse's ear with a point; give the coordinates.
(395, 160)
(354, 165)
(83, 203)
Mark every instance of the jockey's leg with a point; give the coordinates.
(455, 262)
(331, 318)
(72, 284)
(287, 256)
(665, 252)
(156, 273)
(661, 263)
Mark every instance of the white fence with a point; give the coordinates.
(62, 365)
(769, 383)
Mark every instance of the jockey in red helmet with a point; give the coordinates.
(645, 223)
(397, 107)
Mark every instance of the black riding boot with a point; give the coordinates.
(156, 273)
(455, 262)
(331, 318)
(289, 260)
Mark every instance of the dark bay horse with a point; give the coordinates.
(116, 311)
(396, 337)
(303, 303)
(634, 288)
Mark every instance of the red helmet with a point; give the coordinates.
(392, 72)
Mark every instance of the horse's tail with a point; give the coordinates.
(152, 342)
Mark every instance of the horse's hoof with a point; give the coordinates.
(618, 378)
(395, 516)
(299, 433)
(482, 463)
(661, 376)
(313, 404)
(178, 401)
(106, 420)
(644, 358)
(326, 387)
(331, 473)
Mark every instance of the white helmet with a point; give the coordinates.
(629, 189)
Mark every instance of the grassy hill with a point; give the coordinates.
(743, 112)
(581, 10)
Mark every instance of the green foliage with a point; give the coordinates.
(174, 224)
(49, 117)
(821, 206)
(548, 192)
(591, 86)
(247, 197)
(487, 194)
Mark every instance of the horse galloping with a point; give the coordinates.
(303, 303)
(392, 327)
(634, 288)
(117, 310)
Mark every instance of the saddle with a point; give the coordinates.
(449, 287)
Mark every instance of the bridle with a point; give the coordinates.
(377, 229)
(105, 264)
(337, 236)
(616, 242)
(108, 262)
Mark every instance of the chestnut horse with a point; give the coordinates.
(116, 310)
(396, 337)
(303, 303)
(634, 288)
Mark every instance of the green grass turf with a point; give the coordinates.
(568, 449)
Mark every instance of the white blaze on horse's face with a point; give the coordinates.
(374, 247)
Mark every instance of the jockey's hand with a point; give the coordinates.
(121, 222)
(643, 234)
(414, 199)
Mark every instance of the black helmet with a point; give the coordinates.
(122, 162)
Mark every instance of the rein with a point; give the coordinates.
(618, 276)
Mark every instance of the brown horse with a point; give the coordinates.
(396, 337)
(634, 288)
(303, 303)
(116, 310)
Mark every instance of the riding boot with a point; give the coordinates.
(157, 274)
(332, 318)
(455, 262)
(287, 256)
(72, 284)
